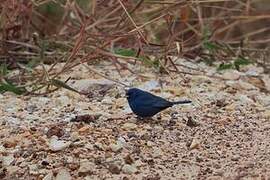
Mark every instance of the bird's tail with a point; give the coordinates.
(182, 102)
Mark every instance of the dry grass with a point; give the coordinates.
(41, 32)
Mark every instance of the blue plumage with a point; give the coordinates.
(145, 104)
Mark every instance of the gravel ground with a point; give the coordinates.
(223, 134)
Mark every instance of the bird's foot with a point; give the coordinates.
(144, 119)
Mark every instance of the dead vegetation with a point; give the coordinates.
(38, 33)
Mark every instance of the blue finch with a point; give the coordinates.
(145, 104)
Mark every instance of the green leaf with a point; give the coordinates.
(3, 69)
(25, 67)
(224, 66)
(6, 86)
(62, 84)
(126, 52)
(207, 44)
(209, 61)
(240, 62)
(210, 46)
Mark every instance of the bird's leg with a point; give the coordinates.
(144, 119)
(140, 118)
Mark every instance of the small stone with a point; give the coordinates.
(129, 169)
(33, 169)
(83, 130)
(44, 100)
(231, 75)
(266, 80)
(266, 114)
(2, 149)
(63, 174)
(58, 145)
(128, 159)
(86, 118)
(245, 85)
(48, 176)
(10, 142)
(252, 70)
(113, 168)
(100, 146)
(74, 136)
(235, 158)
(63, 101)
(244, 99)
(92, 85)
(107, 101)
(70, 159)
(55, 131)
(150, 143)
(149, 85)
(86, 168)
(138, 163)
(7, 160)
(89, 146)
(12, 169)
(192, 123)
(263, 100)
(231, 107)
(194, 144)
(116, 147)
(121, 140)
(157, 153)
(129, 126)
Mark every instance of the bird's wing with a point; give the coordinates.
(162, 103)
(155, 101)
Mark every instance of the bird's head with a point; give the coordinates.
(132, 93)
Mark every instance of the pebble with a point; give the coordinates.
(63, 174)
(2, 149)
(7, 160)
(100, 146)
(90, 84)
(267, 114)
(63, 101)
(264, 100)
(129, 169)
(149, 85)
(245, 85)
(121, 140)
(114, 168)
(157, 153)
(48, 176)
(33, 169)
(244, 99)
(253, 70)
(58, 145)
(115, 147)
(43, 100)
(86, 168)
(235, 158)
(75, 136)
(107, 101)
(12, 169)
(231, 75)
(150, 143)
(266, 80)
(194, 144)
(69, 159)
(129, 126)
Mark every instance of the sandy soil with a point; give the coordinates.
(223, 134)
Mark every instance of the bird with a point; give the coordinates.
(146, 105)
